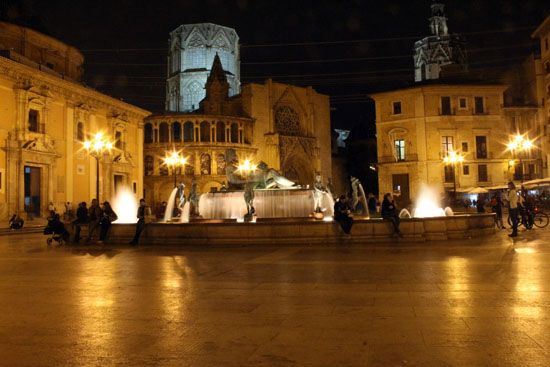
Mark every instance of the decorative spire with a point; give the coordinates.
(217, 72)
(438, 20)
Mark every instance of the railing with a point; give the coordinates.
(391, 159)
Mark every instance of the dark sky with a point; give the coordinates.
(351, 47)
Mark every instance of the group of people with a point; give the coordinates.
(97, 217)
(388, 211)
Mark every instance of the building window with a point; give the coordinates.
(234, 133)
(163, 133)
(396, 108)
(479, 105)
(466, 170)
(287, 121)
(449, 173)
(462, 103)
(446, 144)
(220, 131)
(149, 165)
(188, 132)
(446, 105)
(482, 173)
(34, 121)
(163, 168)
(464, 147)
(399, 149)
(205, 131)
(481, 147)
(148, 134)
(80, 131)
(118, 140)
(205, 164)
(176, 131)
(220, 163)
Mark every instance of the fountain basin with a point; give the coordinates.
(304, 231)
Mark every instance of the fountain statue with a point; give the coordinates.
(358, 194)
(181, 196)
(249, 200)
(234, 180)
(268, 178)
(318, 190)
(193, 199)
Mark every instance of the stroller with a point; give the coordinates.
(56, 231)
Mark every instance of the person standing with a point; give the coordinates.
(81, 219)
(513, 208)
(51, 209)
(108, 216)
(496, 207)
(140, 225)
(94, 215)
(341, 214)
(389, 212)
(371, 203)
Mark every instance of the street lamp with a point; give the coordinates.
(174, 160)
(97, 147)
(518, 144)
(453, 158)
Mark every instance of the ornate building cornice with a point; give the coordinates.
(76, 94)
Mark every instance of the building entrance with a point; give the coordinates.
(119, 181)
(32, 190)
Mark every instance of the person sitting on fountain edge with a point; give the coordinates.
(341, 214)
(389, 212)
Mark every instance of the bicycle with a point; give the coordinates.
(536, 217)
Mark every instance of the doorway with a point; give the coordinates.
(32, 190)
(400, 185)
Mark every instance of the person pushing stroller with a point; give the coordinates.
(56, 231)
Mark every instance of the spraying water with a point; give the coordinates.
(125, 206)
(170, 206)
(184, 218)
(427, 204)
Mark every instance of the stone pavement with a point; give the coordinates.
(483, 302)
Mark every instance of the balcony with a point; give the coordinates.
(391, 159)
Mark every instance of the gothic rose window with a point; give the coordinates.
(287, 121)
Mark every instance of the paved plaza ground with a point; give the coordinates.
(478, 302)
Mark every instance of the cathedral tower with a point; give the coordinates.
(438, 50)
(192, 50)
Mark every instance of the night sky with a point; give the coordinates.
(345, 49)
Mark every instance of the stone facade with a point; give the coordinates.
(543, 89)
(439, 50)
(45, 118)
(285, 126)
(416, 127)
(192, 48)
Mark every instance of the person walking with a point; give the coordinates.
(513, 208)
(81, 219)
(94, 216)
(371, 203)
(496, 207)
(108, 216)
(140, 225)
(389, 212)
(342, 214)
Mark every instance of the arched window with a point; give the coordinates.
(205, 164)
(80, 131)
(234, 133)
(190, 166)
(220, 163)
(287, 121)
(176, 131)
(148, 134)
(149, 164)
(163, 168)
(188, 131)
(118, 140)
(205, 131)
(163, 132)
(220, 131)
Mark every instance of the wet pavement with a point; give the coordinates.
(482, 302)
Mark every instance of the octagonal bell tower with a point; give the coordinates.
(192, 49)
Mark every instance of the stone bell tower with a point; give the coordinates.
(440, 49)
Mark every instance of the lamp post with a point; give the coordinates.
(97, 147)
(453, 158)
(174, 160)
(246, 168)
(518, 144)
